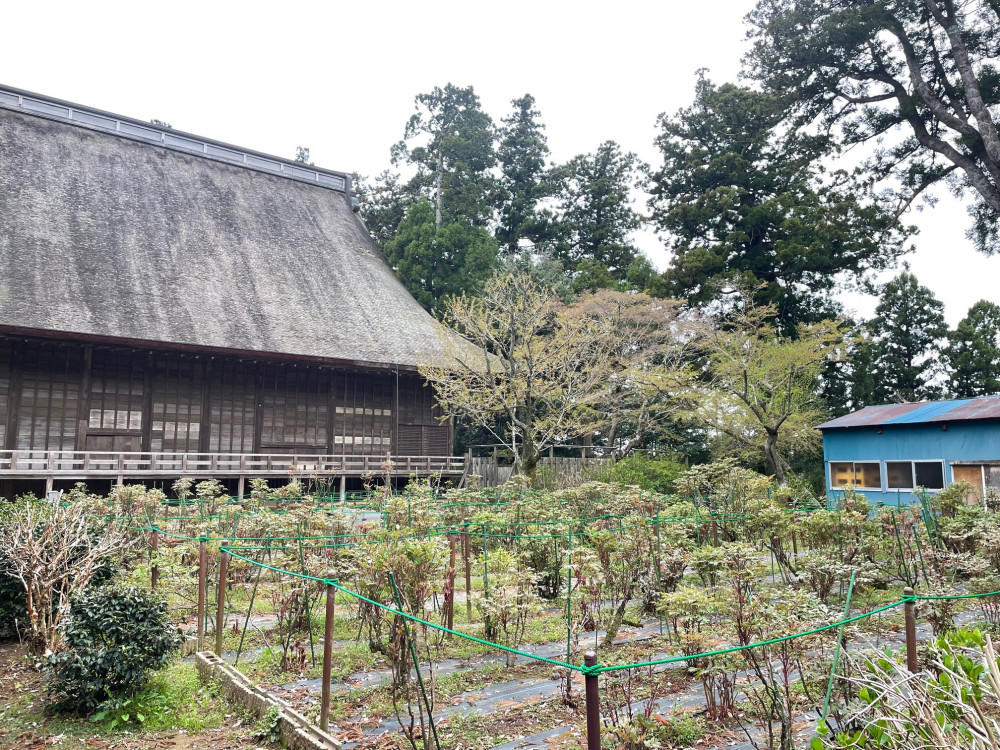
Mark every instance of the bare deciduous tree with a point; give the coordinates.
(761, 393)
(553, 372)
(54, 552)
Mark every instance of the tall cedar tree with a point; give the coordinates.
(435, 261)
(597, 217)
(524, 180)
(384, 204)
(973, 352)
(848, 382)
(906, 331)
(915, 78)
(450, 140)
(745, 203)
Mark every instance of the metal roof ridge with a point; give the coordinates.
(175, 140)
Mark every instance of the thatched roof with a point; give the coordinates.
(106, 236)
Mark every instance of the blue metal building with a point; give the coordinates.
(888, 451)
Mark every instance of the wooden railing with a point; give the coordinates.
(33, 463)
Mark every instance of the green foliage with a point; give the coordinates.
(681, 731)
(745, 200)
(723, 481)
(449, 139)
(115, 636)
(911, 80)
(13, 605)
(906, 329)
(653, 474)
(524, 181)
(597, 217)
(268, 728)
(973, 352)
(174, 698)
(434, 262)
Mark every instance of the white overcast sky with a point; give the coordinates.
(340, 77)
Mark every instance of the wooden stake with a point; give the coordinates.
(202, 572)
(220, 615)
(910, 618)
(154, 571)
(331, 600)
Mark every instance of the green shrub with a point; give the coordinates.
(115, 637)
(13, 605)
(681, 731)
(653, 474)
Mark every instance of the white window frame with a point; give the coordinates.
(913, 474)
(881, 472)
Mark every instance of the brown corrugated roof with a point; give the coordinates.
(954, 410)
(106, 236)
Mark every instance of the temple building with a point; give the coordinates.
(171, 305)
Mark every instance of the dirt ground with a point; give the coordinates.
(26, 724)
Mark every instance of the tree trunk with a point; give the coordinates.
(774, 458)
(439, 190)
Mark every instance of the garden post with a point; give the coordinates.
(154, 571)
(593, 704)
(911, 629)
(331, 600)
(451, 580)
(220, 614)
(202, 569)
(468, 572)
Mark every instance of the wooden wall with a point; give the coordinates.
(67, 396)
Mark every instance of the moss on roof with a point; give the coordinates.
(103, 235)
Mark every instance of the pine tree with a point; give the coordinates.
(434, 262)
(524, 180)
(906, 331)
(597, 216)
(450, 140)
(973, 352)
(746, 202)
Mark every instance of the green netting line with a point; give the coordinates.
(598, 669)
(443, 629)
(759, 644)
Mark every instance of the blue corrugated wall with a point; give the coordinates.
(962, 441)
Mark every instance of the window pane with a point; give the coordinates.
(868, 475)
(841, 474)
(930, 475)
(899, 475)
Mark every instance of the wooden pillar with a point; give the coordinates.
(148, 380)
(48, 485)
(343, 488)
(593, 702)
(241, 487)
(205, 426)
(83, 412)
(14, 388)
(468, 573)
(910, 627)
(154, 570)
(258, 411)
